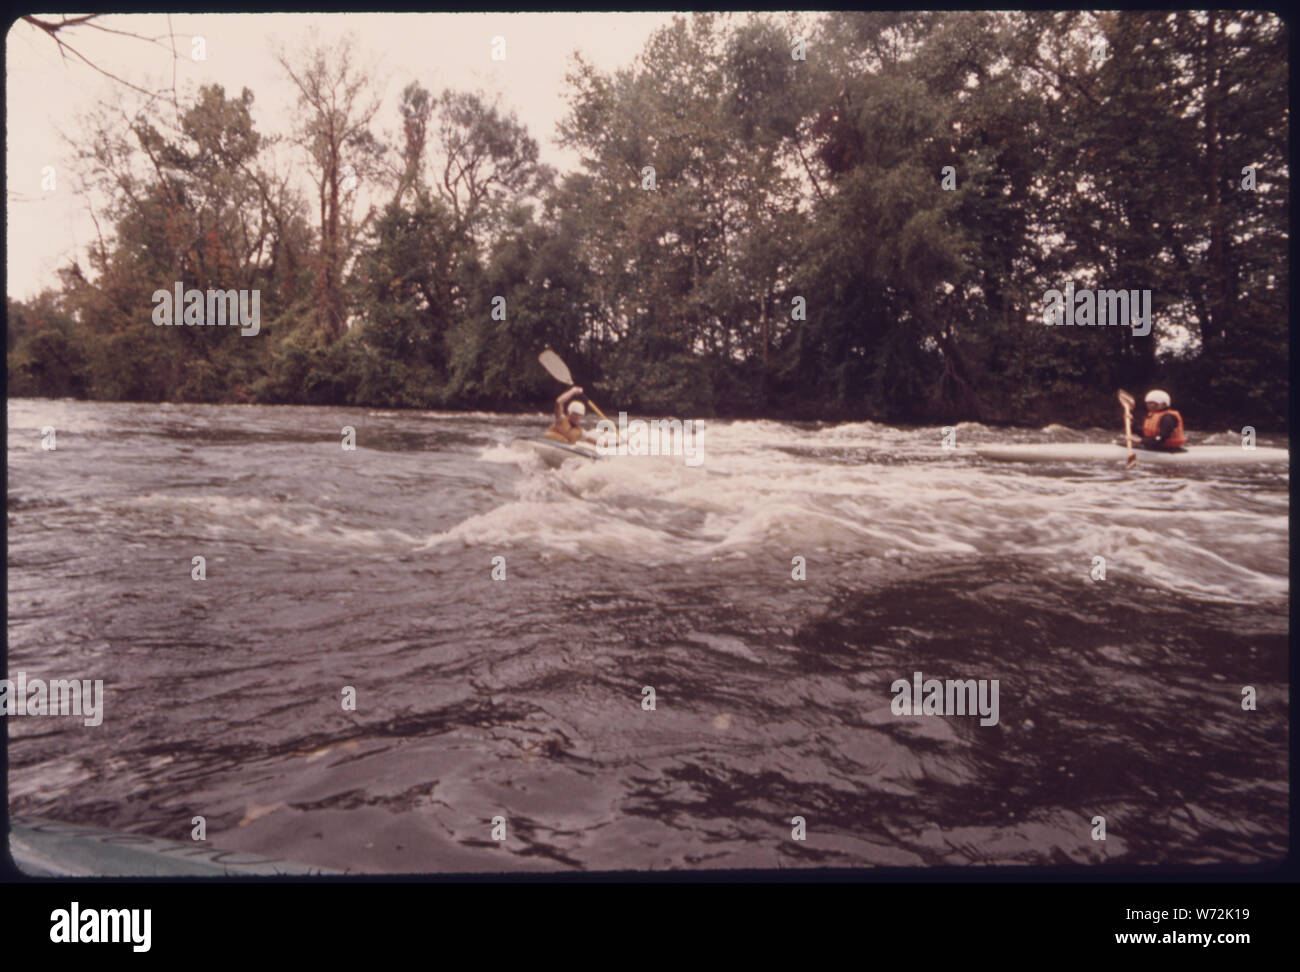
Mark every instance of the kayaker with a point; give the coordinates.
(568, 423)
(1162, 429)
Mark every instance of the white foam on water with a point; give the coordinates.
(265, 518)
(765, 489)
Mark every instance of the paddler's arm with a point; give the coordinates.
(564, 400)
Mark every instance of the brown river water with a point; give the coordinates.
(522, 700)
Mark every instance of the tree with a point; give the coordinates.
(488, 160)
(334, 131)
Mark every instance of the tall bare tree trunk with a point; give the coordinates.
(1215, 330)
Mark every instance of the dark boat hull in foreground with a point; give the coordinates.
(48, 848)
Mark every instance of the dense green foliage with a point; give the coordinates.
(750, 232)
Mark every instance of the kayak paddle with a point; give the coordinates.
(1127, 401)
(560, 372)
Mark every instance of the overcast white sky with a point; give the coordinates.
(46, 93)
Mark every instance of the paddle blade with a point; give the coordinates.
(1127, 401)
(558, 369)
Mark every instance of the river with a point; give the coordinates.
(518, 705)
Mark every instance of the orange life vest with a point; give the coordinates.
(564, 432)
(1151, 428)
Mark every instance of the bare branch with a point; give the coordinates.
(53, 29)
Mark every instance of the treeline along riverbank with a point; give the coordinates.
(850, 216)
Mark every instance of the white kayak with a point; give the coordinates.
(48, 848)
(554, 453)
(1101, 452)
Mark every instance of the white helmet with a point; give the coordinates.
(1158, 398)
(577, 408)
